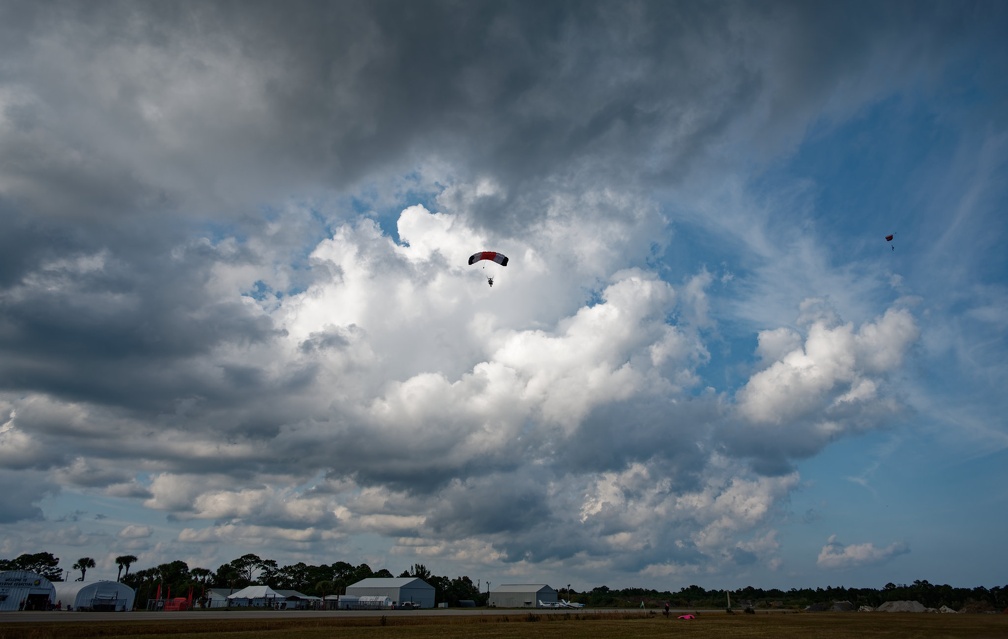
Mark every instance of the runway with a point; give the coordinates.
(259, 613)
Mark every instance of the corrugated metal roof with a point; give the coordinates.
(520, 588)
(390, 582)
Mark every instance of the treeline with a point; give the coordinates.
(179, 579)
(979, 599)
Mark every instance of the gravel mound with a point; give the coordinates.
(902, 606)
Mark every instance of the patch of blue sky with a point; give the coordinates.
(84, 505)
(594, 297)
(374, 202)
(894, 484)
(863, 176)
(221, 230)
(731, 361)
(261, 291)
(387, 217)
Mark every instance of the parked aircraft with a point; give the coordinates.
(553, 604)
(567, 604)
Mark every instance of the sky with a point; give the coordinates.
(236, 313)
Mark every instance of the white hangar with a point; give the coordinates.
(109, 596)
(401, 590)
(522, 595)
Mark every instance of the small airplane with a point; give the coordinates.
(567, 604)
(552, 604)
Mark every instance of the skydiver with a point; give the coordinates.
(490, 281)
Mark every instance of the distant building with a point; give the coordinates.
(399, 590)
(522, 595)
(23, 590)
(340, 602)
(266, 597)
(217, 597)
(104, 596)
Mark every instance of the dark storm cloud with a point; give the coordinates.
(482, 509)
(21, 504)
(332, 93)
(422, 464)
(89, 323)
(656, 429)
(522, 521)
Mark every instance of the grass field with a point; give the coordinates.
(536, 626)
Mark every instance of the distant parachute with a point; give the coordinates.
(888, 238)
(491, 256)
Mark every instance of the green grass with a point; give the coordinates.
(536, 626)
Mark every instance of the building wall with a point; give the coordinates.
(523, 597)
(423, 597)
(20, 588)
(217, 597)
(417, 591)
(110, 595)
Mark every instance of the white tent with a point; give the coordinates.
(372, 602)
(23, 590)
(96, 595)
(266, 597)
(256, 597)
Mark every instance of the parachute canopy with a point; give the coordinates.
(500, 258)
(887, 237)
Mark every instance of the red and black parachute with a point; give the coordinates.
(500, 258)
(491, 256)
(888, 238)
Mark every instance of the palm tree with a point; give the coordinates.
(82, 565)
(124, 561)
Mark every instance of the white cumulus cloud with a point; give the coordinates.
(837, 555)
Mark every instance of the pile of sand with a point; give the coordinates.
(902, 606)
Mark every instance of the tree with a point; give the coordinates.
(342, 576)
(269, 569)
(362, 571)
(40, 563)
(420, 572)
(174, 574)
(293, 577)
(227, 576)
(457, 589)
(124, 561)
(82, 565)
(144, 583)
(324, 588)
(246, 565)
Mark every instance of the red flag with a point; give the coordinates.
(189, 598)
